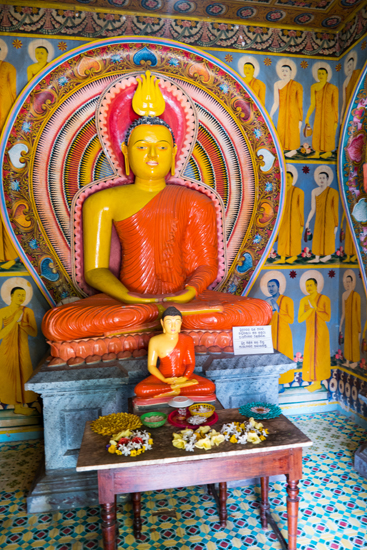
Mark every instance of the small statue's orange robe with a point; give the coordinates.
(180, 362)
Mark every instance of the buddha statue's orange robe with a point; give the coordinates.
(170, 243)
(180, 362)
(167, 245)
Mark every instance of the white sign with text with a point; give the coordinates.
(251, 340)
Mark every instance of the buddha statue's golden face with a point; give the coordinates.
(150, 152)
(171, 324)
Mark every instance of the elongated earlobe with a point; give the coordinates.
(126, 157)
(173, 163)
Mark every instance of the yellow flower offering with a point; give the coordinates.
(217, 439)
(252, 437)
(114, 423)
(179, 443)
(133, 452)
(118, 452)
(203, 430)
(112, 449)
(204, 444)
(233, 439)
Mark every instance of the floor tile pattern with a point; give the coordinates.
(333, 511)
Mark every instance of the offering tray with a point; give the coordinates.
(172, 419)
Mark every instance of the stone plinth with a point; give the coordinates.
(74, 395)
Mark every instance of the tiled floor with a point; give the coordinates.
(333, 508)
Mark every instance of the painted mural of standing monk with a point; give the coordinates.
(273, 285)
(325, 204)
(325, 103)
(291, 228)
(352, 75)
(351, 314)
(315, 309)
(17, 322)
(288, 98)
(8, 76)
(249, 68)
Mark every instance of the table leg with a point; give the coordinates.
(109, 526)
(223, 504)
(137, 517)
(264, 505)
(292, 511)
(210, 488)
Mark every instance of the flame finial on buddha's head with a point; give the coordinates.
(148, 99)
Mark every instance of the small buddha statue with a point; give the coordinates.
(176, 354)
(169, 241)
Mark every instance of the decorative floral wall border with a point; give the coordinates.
(205, 34)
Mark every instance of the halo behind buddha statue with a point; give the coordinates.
(50, 150)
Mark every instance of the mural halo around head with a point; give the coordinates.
(352, 55)
(324, 168)
(248, 59)
(11, 283)
(311, 274)
(290, 63)
(41, 42)
(321, 65)
(279, 276)
(3, 49)
(350, 273)
(293, 170)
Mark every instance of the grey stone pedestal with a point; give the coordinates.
(73, 395)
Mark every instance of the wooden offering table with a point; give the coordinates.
(166, 467)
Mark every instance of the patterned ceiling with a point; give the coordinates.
(318, 15)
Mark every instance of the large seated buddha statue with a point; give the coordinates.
(148, 241)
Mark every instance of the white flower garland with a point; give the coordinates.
(130, 443)
(244, 432)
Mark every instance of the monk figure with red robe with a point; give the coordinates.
(176, 355)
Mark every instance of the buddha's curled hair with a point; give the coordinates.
(151, 121)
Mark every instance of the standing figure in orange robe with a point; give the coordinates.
(325, 103)
(288, 98)
(352, 75)
(16, 324)
(176, 354)
(315, 309)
